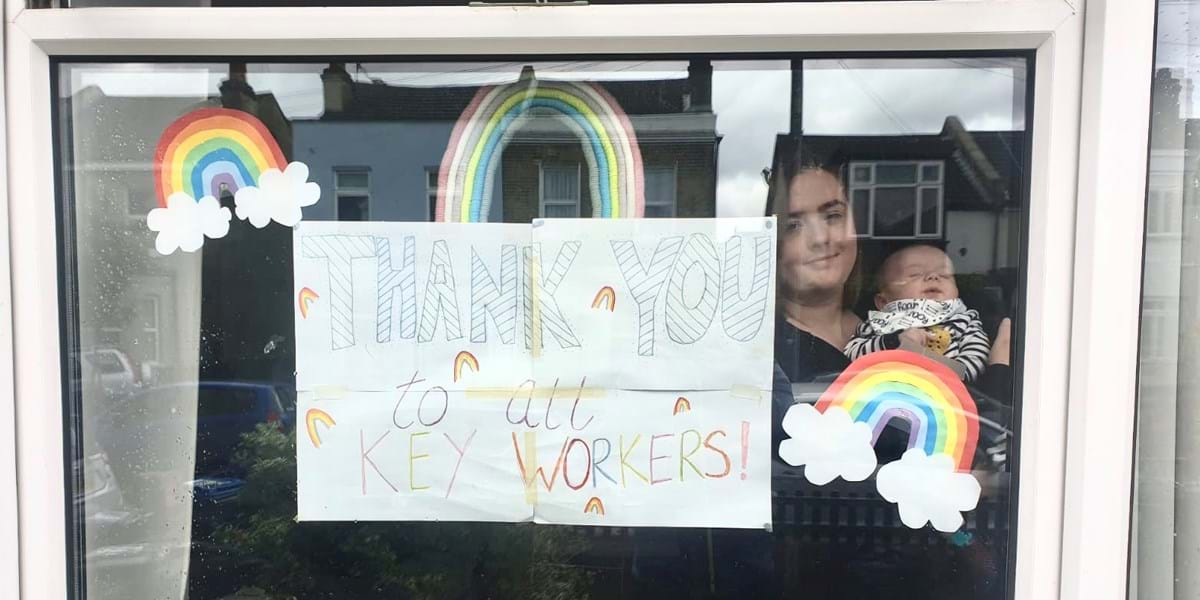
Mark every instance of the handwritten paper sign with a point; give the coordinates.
(595, 372)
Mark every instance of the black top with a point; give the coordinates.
(800, 357)
(804, 357)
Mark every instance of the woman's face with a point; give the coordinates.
(817, 248)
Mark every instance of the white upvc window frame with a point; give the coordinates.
(1090, 120)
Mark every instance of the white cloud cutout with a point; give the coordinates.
(278, 196)
(184, 223)
(928, 490)
(828, 444)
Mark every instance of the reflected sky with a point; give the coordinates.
(750, 98)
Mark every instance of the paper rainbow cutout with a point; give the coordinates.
(594, 505)
(467, 359)
(211, 147)
(307, 296)
(681, 405)
(311, 418)
(605, 298)
(894, 384)
(496, 113)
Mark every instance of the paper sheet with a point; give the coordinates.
(601, 372)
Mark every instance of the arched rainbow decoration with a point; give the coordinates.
(311, 418)
(306, 297)
(496, 113)
(464, 359)
(894, 384)
(681, 405)
(211, 147)
(594, 505)
(606, 298)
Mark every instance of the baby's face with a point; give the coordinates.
(918, 272)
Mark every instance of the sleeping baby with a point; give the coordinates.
(919, 310)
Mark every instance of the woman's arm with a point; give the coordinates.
(1001, 348)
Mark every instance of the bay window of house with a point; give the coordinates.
(190, 483)
(898, 199)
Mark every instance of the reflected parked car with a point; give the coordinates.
(159, 425)
(112, 369)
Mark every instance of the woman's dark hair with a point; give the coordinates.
(793, 158)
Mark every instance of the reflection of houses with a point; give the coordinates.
(377, 150)
(1166, 522)
(957, 189)
(146, 306)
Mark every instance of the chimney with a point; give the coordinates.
(235, 92)
(336, 83)
(700, 86)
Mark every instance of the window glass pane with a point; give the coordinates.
(185, 334)
(892, 173)
(560, 183)
(660, 191)
(1166, 496)
(351, 179)
(560, 211)
(861, 206)
(352, 208)
(929, 212)
(658, 211)
(861, 173)
(894, 212)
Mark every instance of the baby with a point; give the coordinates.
(919, 310)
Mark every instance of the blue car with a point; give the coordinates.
(220, 414)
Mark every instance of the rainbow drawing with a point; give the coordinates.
(496, 113)
(210, 148)
(606, 298)
(307, 296)
(900, 384)
(311, 418)
(466, 359)
(681, 405)
(594, 506)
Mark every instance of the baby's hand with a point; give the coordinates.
(915, 336)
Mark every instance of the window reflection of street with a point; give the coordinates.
(185, 429)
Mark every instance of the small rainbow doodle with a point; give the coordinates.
(594, 506)
(900, 384)
(211, 148)
(307, 297)
(467, 359)
(472, 157)
(311, 418)
(681, 405)
(605, 298)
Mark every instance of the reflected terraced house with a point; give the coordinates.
(377, 147)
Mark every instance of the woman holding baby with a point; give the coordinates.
(818, 331)
(819, 280)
